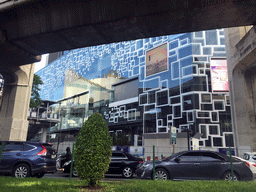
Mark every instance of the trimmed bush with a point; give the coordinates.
(93, 149)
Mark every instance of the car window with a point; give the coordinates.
(254, 157)
(246, 156)
(190, 156)
(118, 155)
(207, 156)
(28, 147)
(9, 147)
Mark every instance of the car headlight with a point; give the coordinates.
(147, 166)
(65, 164)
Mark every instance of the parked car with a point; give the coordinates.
(24, 159)
(195, 165)
(121, 162)
(250, 164)
(124, 163)
(250, 156)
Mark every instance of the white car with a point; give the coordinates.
(250, 156)
(250, 164)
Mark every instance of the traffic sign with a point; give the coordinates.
(173, 135)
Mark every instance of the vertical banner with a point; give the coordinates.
(219, 74)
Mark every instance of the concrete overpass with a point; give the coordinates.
(29, 28)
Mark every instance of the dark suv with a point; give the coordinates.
(25, 159)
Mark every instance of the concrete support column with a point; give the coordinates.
(15, 103)
(43, 134)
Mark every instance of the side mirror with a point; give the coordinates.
(177, 159)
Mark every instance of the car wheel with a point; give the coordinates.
(21, 171)
(127, 172)
(74, 173)
(39, 175)
(228, 176)
(161, 174)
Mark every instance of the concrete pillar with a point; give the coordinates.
(241, 57)
(15, 103)
(43, 134)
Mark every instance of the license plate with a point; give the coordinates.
(53, 156)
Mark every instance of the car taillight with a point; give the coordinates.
(254, 165)
(43, 152)
(141, 161)
(248, 164)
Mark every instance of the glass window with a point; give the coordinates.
(208, 143)
(175, 100)
(162, 97)
(203, 131)
(206, 98)
(213, 129)
(126, 90)
(199, 34)
(203, 114)
(229, 140)
(211, 37)
(13, 147)
(190, 102)
(206, 156)
(196, 49)
(118, 155)
(28, 147)
(190, 156)
(143, 99)
(217, 141)
(218, 105)
(206, 107)
(214, 116)
(177, 111)
(151, 97)
(150, 123)
(207, 51)
(185, 51)
(173, 44)
(219, 49)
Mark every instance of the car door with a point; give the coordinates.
(187, 166)
(11, 153)
(212, 166)
(117, 161)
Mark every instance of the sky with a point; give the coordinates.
(42, 63)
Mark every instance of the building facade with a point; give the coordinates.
(144, 87)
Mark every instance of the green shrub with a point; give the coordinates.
(93, 149)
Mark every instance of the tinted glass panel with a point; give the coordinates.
(210, 157)
(191, 157)
(118, 155)
(126, 90)
(28, 147)
(13, 147)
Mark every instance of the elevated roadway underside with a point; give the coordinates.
(30, 28)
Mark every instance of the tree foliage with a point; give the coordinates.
(35, 100)
(93, 149)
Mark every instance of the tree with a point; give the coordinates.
(93, 149)
(35, 100)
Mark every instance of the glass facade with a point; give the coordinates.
(144, 87)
